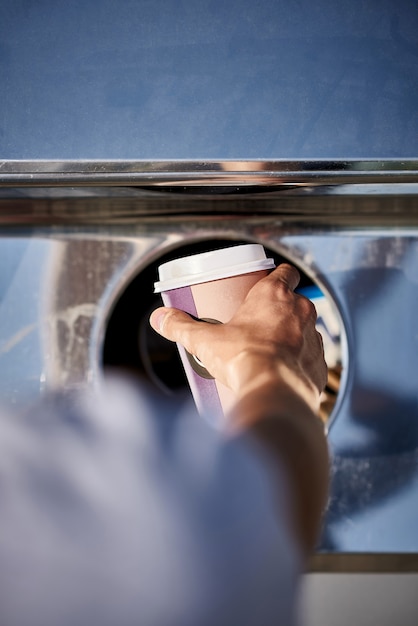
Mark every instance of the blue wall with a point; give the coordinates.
(156, 79)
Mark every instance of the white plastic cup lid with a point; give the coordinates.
(213, 265)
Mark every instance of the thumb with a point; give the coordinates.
(173, 324)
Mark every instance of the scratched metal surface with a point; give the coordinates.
(59, 285)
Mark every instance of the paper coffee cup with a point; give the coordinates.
(211, 286)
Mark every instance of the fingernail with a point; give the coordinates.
(157, 319)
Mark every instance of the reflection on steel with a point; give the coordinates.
(218, 173)
(79, 207)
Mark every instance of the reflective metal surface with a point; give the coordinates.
(208, 173)
(131, 129)
(69, 254)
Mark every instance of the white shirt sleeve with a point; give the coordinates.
(120, 509)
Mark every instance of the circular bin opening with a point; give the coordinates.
(131, 344)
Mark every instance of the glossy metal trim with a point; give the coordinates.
(72, 206)
(206, 173)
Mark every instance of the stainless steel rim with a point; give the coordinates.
(206, 173)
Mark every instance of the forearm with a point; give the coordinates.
(286, 425)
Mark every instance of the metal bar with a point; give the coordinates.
(208, 173)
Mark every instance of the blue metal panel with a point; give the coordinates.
(169, 79)
(374, 433)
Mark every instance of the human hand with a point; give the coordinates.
(272, 336)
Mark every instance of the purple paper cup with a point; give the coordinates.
(211, 286)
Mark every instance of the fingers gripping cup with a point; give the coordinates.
(211, 286)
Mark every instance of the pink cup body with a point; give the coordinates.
(215, 300)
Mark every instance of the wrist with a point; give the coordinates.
(257, 373)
